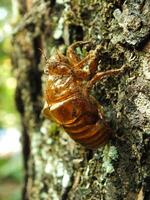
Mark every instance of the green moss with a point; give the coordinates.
(53, 128)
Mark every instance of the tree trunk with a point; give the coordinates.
(55, 166)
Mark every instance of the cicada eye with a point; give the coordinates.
(46, 71)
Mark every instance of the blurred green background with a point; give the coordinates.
(11, 169)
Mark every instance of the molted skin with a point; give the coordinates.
(68, 101)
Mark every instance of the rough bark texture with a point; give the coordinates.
(55, 166)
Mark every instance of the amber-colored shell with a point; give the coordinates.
(68, 101)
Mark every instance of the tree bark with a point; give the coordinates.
(55, 166)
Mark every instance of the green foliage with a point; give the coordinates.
(8, 114)
(10, 178)
(11, 169)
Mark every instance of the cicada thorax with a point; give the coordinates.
(59, 88)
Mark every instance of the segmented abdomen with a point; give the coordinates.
(80, 118)
(89, 135)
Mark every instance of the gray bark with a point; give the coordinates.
(55, 166)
